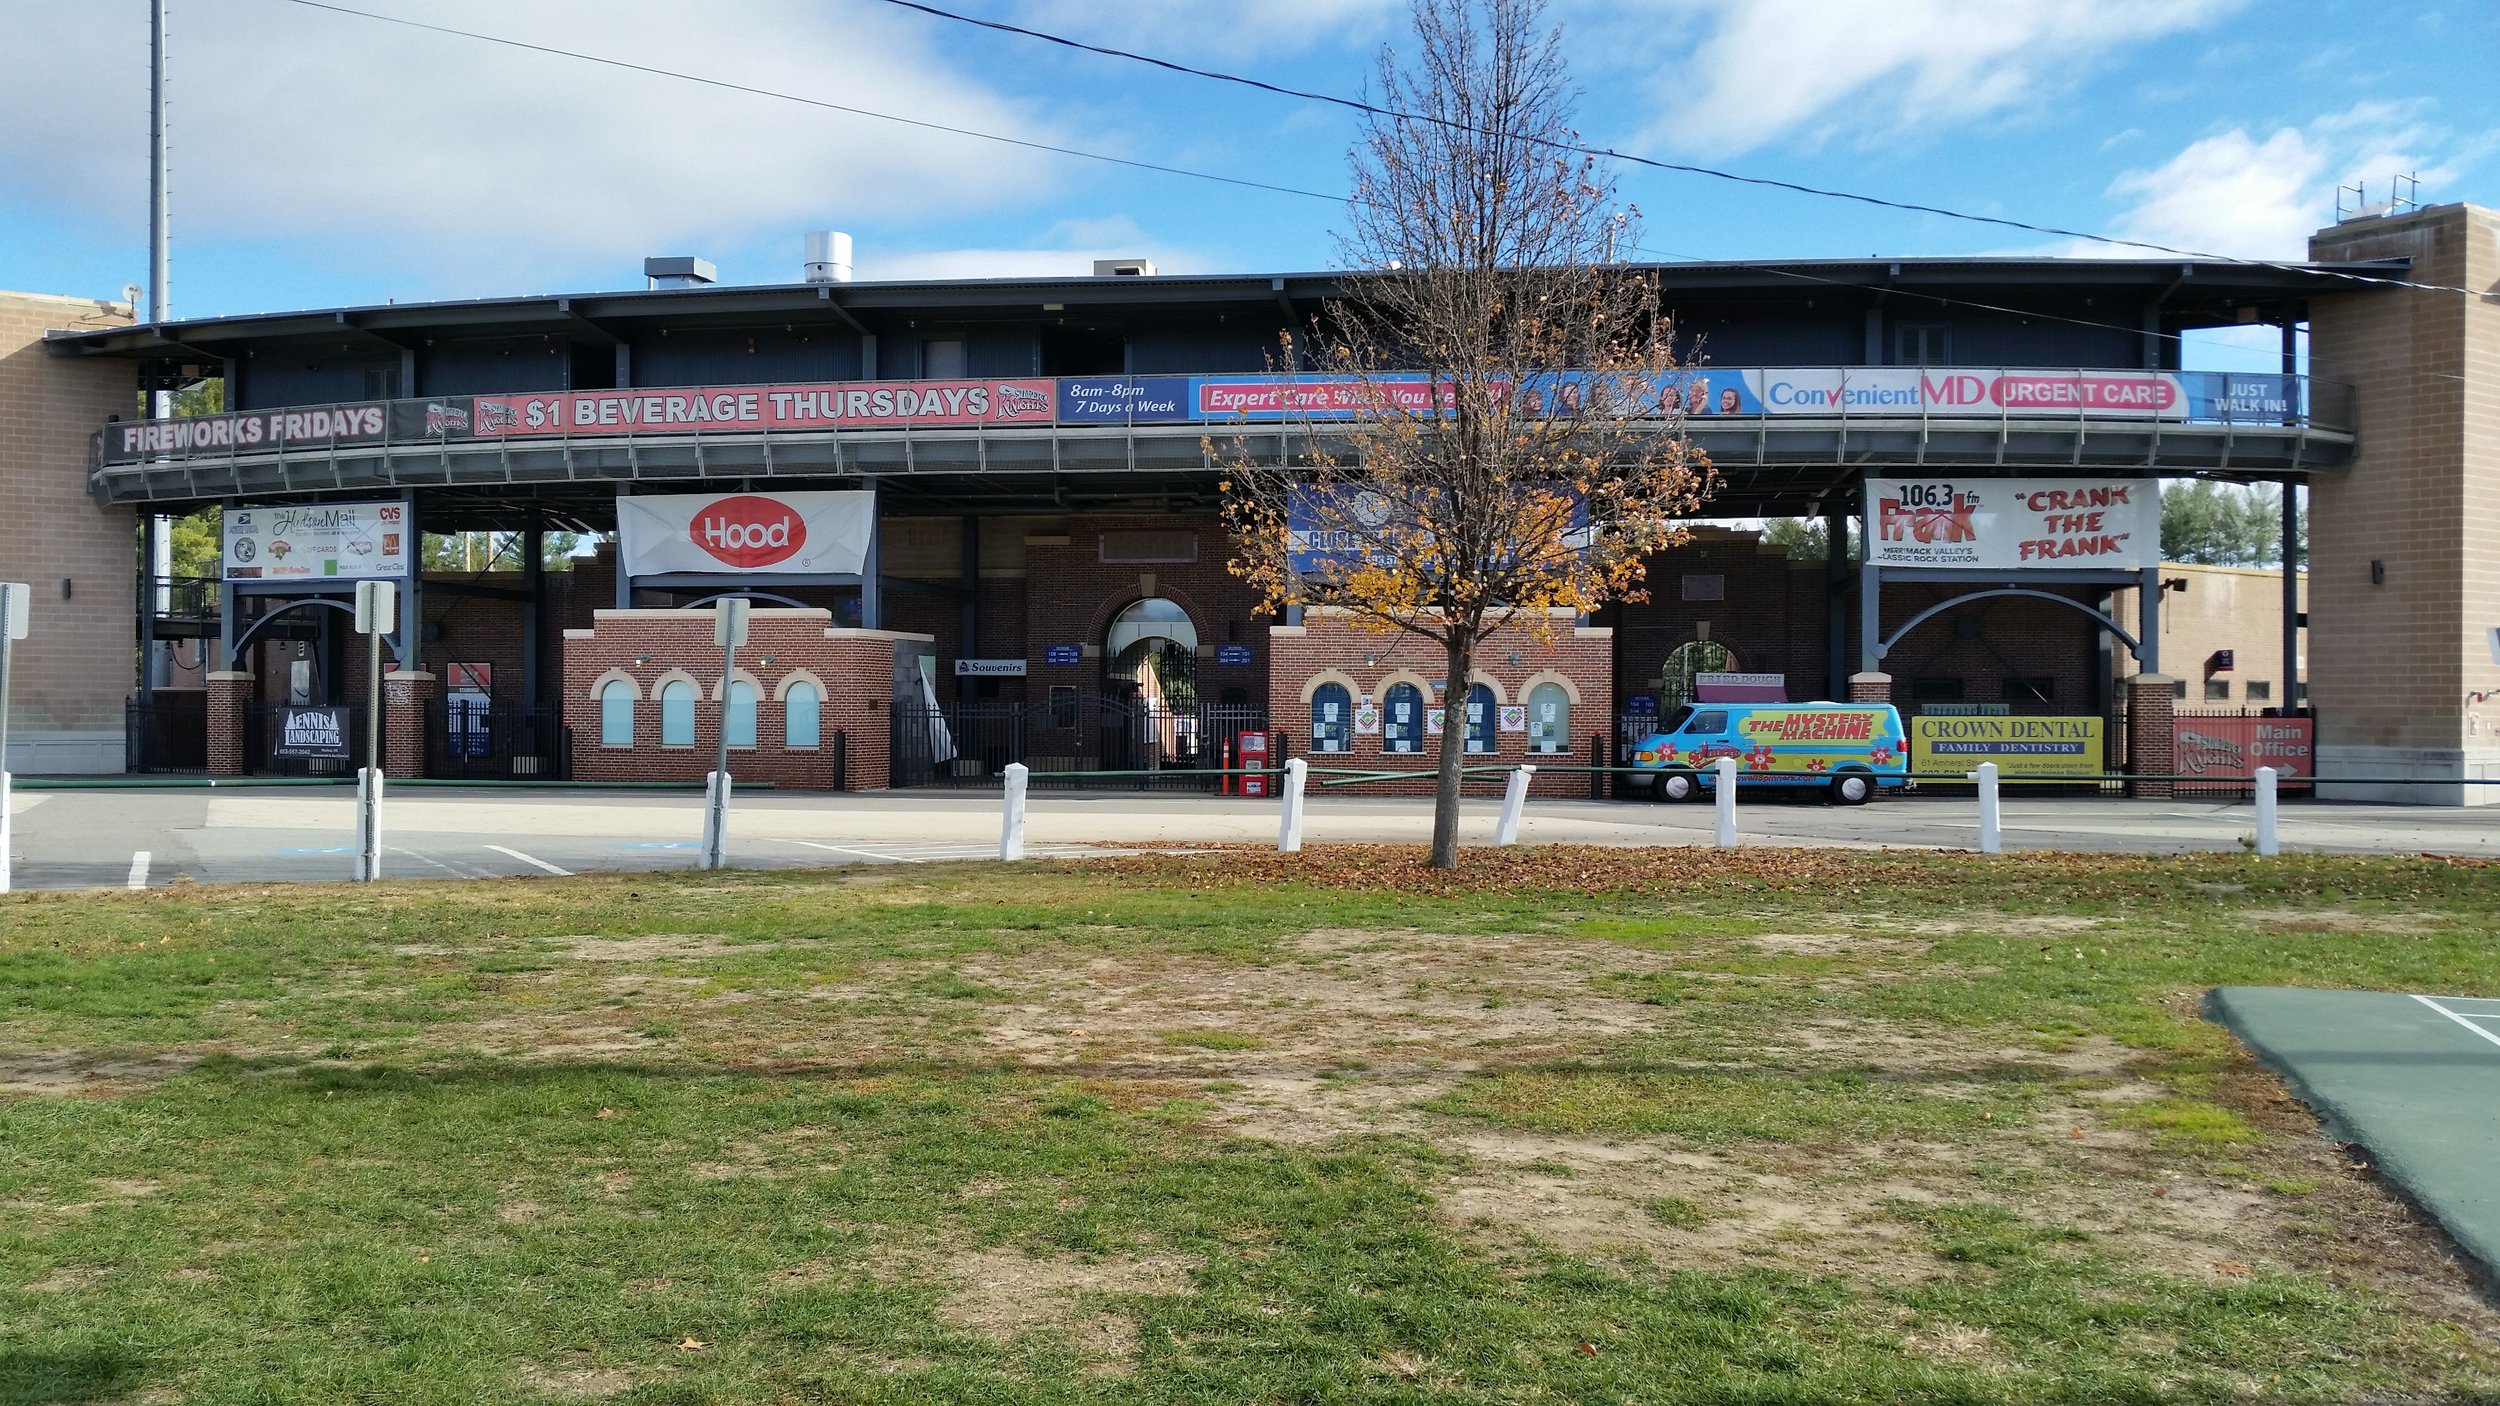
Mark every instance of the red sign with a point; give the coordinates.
(1252, 752)
(821, 406)
(2228, 751)
(748, 532)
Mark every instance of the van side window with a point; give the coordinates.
(1707, 722)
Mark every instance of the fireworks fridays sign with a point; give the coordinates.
(2014, 524)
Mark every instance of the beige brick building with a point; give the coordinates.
(77, 664)
(2406, 544)
(2221, 636)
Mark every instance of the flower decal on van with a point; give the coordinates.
(1817, 765)
(1880, 756)
(1761, 759)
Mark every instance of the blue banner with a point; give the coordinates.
(1122, 400)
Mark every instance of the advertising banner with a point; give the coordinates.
(2008, 524)
(312, 732)
(1122, 400)
(831, 405)
(346, 541)
(2229, 751)
(246, 432)
(1910, 390)
(762, 534)
(1273, 398)
(2024, 749)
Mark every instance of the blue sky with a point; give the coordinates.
(323, 159)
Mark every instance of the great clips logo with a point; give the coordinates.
(749, 532)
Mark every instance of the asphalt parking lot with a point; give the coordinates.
(142, 838)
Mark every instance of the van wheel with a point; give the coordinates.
(1675, 786)
(1852, 788)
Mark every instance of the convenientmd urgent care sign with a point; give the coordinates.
(760, 534)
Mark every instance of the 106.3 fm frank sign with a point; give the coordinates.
(2014, 524)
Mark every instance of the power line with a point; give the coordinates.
(754, 91)
(1611, 154)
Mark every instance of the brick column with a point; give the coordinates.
(229, 694)
(1870, 688)
(2152, 745)
(406, 713)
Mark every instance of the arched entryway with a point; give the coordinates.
(1150, 682)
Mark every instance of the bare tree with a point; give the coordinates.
(1495, 431)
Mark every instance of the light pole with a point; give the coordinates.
(377, 613)
(729, 630)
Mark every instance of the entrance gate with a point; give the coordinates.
(1146, 746)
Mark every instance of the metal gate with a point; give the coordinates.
(1065, 740)
(465, 743)
(166, 732)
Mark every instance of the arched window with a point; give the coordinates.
(799, 711)
(1549, 719)
(677, 714)
(616, 714)
(1480, 718)
(1675, 679)
(741, 719)
(1332, 718)
(1402, 719)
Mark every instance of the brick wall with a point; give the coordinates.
(1518, 655)
(854, 667)
(2235, 608)
(80, 660)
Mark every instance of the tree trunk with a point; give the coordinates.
(1453, 752)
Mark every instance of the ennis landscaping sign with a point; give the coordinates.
(2014, 524)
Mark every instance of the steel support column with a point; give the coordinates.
(1870, 617)
(1836, 605)
(874, 565)
(2290, 697)
(533, 610)
(2148, 622)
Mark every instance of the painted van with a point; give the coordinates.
(1850, 750)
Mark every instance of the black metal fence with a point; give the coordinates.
(465, 743)
(1139, 746)
(165, 732)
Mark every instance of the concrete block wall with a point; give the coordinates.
(80, 660)
(1520, 653)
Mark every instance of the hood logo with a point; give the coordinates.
(749, 532)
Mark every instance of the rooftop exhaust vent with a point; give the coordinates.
(828, 256)
(1124, 268)
(679, 271)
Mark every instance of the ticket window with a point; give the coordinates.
(1480, 718)
(1549, 720)
(1402, 719)
(1332, 718)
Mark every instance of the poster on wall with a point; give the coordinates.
(2229, 751)
(2014, 524)
(2024, 749)
(309, 542)
(318, 733)
(761, 534)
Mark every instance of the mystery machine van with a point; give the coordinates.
(1847, 750)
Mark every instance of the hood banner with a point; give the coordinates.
(762, 534)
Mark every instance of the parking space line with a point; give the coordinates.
(2462, 1022)
(858, 853)
(533, 861)
(138, 870)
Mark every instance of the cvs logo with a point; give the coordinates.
(748, 531)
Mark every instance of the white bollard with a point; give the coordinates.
(716, 820)
(8, 832)
(368, 824)
(1991, 830)
(1011, 824)
(1514, 800)
(1726, 798)
(2268, 843)
(1289, 825)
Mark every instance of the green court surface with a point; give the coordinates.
(2415, 1079)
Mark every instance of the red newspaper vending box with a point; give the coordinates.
(1252, 753)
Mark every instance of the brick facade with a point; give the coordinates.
(407, 709)
(649, 649)
(2152, 744)
(79, 659)
(229, 694)
(1520, 654)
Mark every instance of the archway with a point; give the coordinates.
(1150, 671)
(1684, 664)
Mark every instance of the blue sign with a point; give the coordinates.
(1232, 656)
(1118, 400)
(1063, 654)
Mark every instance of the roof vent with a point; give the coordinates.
(828, 256)
(680, 271)
(1124, 268)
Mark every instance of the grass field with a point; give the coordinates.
(1576, 1126)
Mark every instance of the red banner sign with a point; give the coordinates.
(2229, 750)
(845, 405)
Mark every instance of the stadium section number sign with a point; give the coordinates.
(763, 534)
(348, 541)
(2010, 524)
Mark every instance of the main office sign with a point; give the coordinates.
(2013, 524)
(757, 534)
(311, 542)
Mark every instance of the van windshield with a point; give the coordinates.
(1712, 721)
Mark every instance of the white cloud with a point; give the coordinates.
(479, 166)
(2245, 196)
(1228, 29)
(1067, 249)
(1734, 75)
